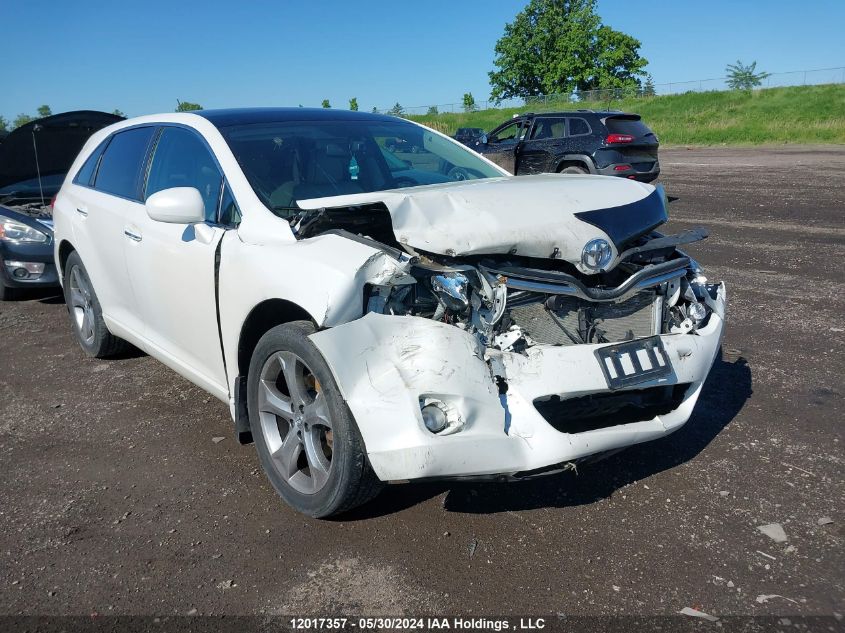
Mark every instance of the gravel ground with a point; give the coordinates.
(119, 497)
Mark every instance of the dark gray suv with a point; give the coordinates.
(609, 143)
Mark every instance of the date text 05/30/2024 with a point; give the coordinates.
(422, 623)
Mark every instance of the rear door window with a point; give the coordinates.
(634, 127)
(546, 128)
(182, 159)
(120, 167)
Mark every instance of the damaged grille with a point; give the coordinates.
(603, 410)
(561, 320)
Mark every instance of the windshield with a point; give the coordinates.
(297, 160)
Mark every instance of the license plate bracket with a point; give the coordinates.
(633, 362)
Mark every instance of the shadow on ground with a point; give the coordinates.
(725, 392)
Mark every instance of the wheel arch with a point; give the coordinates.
(575, 160)
(263, 317)
(65, 249)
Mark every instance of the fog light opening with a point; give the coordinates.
(25, 270)
(440, 417)
(434, 418)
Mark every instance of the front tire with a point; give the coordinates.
(86, 314)
(305, 435)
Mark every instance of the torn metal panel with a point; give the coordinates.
(534, 216)
(386, 366)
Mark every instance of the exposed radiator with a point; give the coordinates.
(637, 317)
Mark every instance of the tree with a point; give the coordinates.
(742, 77)
(432, 111)
(353, 104)
(187, 106)
(44, 111)
(4, 124)
(375, 110)
(21, 119)
(118, 112)
(648, 88)
(396, 110)
(326, 103)
(558, 46)
(469, 102)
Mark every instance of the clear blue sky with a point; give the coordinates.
(142, 56)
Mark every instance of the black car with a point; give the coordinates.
(468, 135)
(34, 160)
(402, 145)
(583, 142)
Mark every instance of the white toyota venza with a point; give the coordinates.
(373, 315)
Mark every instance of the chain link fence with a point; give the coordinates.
(815, 76)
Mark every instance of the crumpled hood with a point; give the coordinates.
(549, 215)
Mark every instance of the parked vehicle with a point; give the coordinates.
(468, 135)
(607, 143)
(400, 144)
(34, 160)
(365, 330)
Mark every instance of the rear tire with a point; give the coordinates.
(306, 438)
(573, 169)
(86, 314)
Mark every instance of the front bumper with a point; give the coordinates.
(386, 365)
(37, 253)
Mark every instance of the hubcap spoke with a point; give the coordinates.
(292, 368)
(287, 455)
(317, 412)
(271, 401)
(318, 463)
(76, 298)
(87, 328)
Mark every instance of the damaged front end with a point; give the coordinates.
(508, 364)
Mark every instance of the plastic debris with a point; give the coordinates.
(765, 597)
(472, 547)
(774, 531)
(695, 613)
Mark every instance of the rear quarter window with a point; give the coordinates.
(120, 167)
(578, 127)
(634, 127)
(85, 175)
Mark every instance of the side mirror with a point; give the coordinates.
(177, 205)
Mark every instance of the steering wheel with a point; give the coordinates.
(458, 173)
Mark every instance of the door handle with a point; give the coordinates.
(82, 212)
(135, 237)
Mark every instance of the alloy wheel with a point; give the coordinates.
(81, 305)
(295, 422)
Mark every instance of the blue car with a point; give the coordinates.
(34, 160)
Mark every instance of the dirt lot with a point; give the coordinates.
(118, 496)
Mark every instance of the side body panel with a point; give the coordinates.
(173, 273)
(94, 222)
